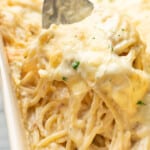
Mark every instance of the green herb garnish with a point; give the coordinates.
(75, 65)
(64, 78)
(112, 49)
(140, 103)
(123, 29)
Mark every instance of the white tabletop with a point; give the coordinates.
(4, 143)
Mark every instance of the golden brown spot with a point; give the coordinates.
(45, 38)
(55, 58)
(81, 36)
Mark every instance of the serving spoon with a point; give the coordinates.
(65, 11)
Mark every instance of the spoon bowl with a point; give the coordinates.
(65, 11)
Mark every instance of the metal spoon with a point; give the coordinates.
(65, 11)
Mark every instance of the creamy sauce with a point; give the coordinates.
(56, 71)
(101, 38)
(139, 12)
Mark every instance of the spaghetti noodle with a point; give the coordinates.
(81, 86)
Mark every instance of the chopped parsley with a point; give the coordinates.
(123, 29)
(93, 38)
(112, 49)
(75, 65)
(140, 103)
(64, 78)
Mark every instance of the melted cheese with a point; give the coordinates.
(95, 104)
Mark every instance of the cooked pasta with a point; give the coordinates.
(82, 86)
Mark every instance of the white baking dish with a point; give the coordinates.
(13, 117)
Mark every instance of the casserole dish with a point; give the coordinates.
(16, 132)
(83, 86)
